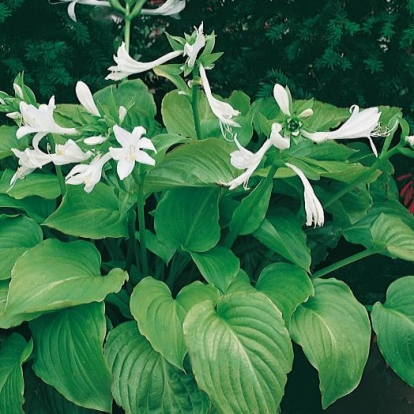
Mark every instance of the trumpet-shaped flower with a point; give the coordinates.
(192, 50)
(245, 159)
(90, 175)
(85, 97)
(29, 160)
(169, 8)
(222, 110)
(361, 124)
(132, 150)
(40, 121)
(126, 66)
(73, 3)
(313, 207)
(277, 140)
(68, 153)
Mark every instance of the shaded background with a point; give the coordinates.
(342, 52)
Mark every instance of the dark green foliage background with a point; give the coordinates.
(342, 52)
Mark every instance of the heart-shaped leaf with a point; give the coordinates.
(240, 352)
(144, 382)
(334, 331)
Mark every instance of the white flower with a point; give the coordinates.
(122, 113)
(68, 153)
(90, 175)
(277, 140)
(40, 121)
(18, 90)
(169, 8)
(127, 66)
(29, 160)
(98, 139)
(192, 50)
(85, 97)
(284, 100)
(73, 3)
(222, 110)
(313, 207)
(360, 125)
(410, 139)
(244, 159)
(131, 151)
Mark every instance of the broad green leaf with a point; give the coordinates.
(13, 352)
(69, 355)
(55, 275)
(334, 331)
(250, 213)
(240, 352)
(160, 317)
(93, 215)
(17, 235)
(393, 322)
(219, 266)
(144, 382)
(135, 97)
(187, 218)
(8, 140)
(286, 285)
(351, 207)
(326, 116)
(282, 233)
(396, 237)
(36, 208)
(241, 283)
(360, 232)
(34, 184)
(177, 114)
(197, 164)
(41, 398)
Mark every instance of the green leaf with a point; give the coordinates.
(286, 285)
(160, 317)
(393, 322)
(334, 331)
(177, 114)
(37, 208)
(41, 398)
(135, 97)
(93, 215)
(144, 382)
(8, 140)
(360, 232)
(34, 184)
(14, 351)
(240, 352)
(219, 266)
(187, 218)
(250, 213)
(197, 164)
(282, 234)
(55, 275)
(69, 355)
(396, 237)
(17, 235)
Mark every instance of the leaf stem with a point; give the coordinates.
(345, 262)
(194, 104)
(141, 222)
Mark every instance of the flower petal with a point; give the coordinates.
(86, 99)
(282, 98)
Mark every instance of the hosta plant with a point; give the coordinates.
(166, 259)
